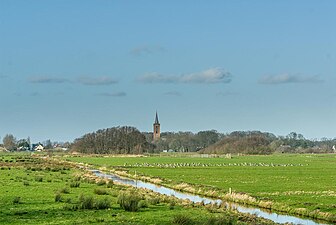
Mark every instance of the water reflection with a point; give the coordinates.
(195, 198)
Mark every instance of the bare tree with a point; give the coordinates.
(9, 142)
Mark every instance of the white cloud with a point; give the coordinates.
(210, 76)
(289, 78)
(157, 78)
(96, 81)
(84, 80)
(213, 75)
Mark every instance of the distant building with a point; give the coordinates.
(38, 147)
(170, 150)
(156, 128)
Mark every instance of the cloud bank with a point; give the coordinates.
(47, 80)
(94, 81)
(210, 76)
(289, 78)
(84, 80)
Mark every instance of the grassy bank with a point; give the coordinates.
(298, 184)
(43, 191)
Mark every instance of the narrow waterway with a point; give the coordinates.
(278, 218)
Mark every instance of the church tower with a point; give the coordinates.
(156, 128)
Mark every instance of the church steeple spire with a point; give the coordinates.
(156, 118)
(156, 128)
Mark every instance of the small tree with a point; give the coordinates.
(47, 144)
(9, 142)
(23, 144)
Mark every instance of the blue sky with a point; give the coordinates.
(72, 67)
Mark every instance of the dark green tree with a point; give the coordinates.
(23, 144)
(115, 140)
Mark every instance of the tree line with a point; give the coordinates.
(115, 140)
(129, 140)
(11, 143)
(256, 142)
(184, 141)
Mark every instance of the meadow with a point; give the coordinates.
(40, 190)
(298, 184)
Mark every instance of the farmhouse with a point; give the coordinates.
(38, 147)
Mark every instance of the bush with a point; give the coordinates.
(77, 178)
(182, 220)
(75, 184)
(64, 190)
(154, 200)
(128, 201)
(114, 193)
(223, 220)
(25, 183)
(68, 200)
(39, 179)
(86, 202)
(16, 200)
(101, 182)
(70, 207)
(143, 204)
(58, 197)
(100, 191)
(104, 203)
(110, 184)
(54, 169)
(89, 202)
(90, 181)
(172, 204)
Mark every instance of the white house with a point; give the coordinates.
(39, 148)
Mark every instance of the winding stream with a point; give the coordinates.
(278, 218)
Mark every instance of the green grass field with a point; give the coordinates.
(40, 191)
(299, 181)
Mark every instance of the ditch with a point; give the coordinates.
(278, 218)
